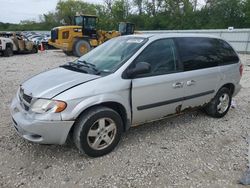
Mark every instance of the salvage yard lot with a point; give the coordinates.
(189, 150)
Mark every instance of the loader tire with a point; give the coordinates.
(81, 47)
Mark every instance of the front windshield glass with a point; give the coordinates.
(112, 54)
(89, 23)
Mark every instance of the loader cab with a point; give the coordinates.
(126, 28)
(88, 23)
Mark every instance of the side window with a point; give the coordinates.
(161, 55)
(226, 53)
(65, 35)
(197, 52)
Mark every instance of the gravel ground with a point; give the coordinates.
(191, 150)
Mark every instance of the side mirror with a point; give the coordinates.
(140, 68)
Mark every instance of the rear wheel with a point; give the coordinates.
(220, 104)
(8, 51)
(98, 131)
(81, 47)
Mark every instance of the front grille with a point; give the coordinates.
(25, 100)
(26, 107)
(54, 35)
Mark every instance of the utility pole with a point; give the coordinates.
(195, 5)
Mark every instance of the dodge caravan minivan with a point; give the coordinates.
(124, 82)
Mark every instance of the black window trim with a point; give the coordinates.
(219, 39)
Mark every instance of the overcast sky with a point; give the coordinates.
(14, 11)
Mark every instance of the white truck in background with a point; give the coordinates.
(11, 43)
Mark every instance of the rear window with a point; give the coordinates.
(200, 52)
(226, 53)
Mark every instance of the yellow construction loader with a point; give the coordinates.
(80, 38)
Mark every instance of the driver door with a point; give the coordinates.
(159, 92)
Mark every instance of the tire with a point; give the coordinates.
(34, 50)
(68, 53)
(220, 104)
(98, 131)
(81, 47)
(8, 51)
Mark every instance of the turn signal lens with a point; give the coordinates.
(60, 106)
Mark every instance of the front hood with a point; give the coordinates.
(52, 82)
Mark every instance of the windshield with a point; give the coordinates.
(78, 20)
(109, 56)
(89, 23)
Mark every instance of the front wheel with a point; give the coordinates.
(98, 131)
(220, 104)
(8, 51)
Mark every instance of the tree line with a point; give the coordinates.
(146, 14)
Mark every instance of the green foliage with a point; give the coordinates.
(146, 14)
(67, 9)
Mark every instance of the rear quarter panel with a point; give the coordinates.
(230, 74)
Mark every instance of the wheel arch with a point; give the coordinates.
(80, 38)
(116, 106)
(230, 86)
(9, 44)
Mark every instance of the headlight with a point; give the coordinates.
(45, 105)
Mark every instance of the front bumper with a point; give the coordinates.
(38, 131)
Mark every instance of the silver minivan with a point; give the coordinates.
(126, 81)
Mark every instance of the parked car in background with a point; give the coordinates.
(45, 42)
(11, 43)
(124, 82)
(39, 38)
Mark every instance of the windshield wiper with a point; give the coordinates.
(88, 65)
(74, 67)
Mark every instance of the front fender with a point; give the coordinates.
(76, 107)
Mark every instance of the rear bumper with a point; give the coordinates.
(38, 131)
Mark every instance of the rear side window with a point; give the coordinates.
(199, 52)
(225, 53)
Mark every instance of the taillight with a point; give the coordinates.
(241, 70)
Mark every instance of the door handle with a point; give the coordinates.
(178, 85)
(190, 82)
